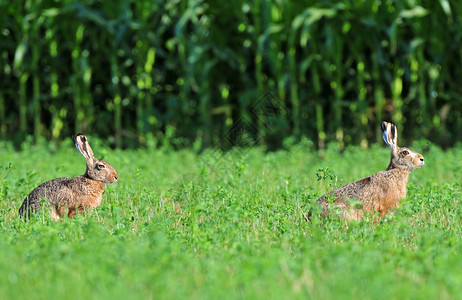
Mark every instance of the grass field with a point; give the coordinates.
(212, 225)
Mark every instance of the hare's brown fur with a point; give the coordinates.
(72, 195)
(379, 192)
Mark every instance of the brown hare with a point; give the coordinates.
(379, 192)
(72, 195)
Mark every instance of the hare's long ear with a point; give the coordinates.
(390, 134)
(81, 143)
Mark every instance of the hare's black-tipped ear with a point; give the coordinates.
(390, 134)
(81, 143)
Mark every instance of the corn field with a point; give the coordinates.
(191, 71)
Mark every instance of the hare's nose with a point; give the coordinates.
(116, 177)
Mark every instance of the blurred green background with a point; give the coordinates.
(188, 72)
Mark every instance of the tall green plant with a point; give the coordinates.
(133, 69)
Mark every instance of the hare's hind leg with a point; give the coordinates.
(76, 210)
(57, 211)
(71, 213)
(53, 214)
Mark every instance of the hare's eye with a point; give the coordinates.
(100, 166)
(405, 152)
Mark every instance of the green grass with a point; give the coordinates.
(182, 225)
